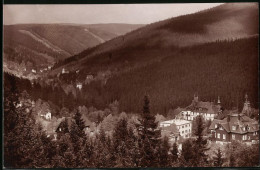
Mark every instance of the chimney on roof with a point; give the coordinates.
(196, 97)
(219, 100)
(228, 118)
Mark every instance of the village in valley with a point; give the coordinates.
(160, 94)
(224, 126)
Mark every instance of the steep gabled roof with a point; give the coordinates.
(242, 123)
(205, 107)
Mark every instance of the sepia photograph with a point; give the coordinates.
(152, 85)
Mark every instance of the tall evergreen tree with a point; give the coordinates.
(200, 144)
(174, 152)
(218, 159)
(120, 142)
(232, 161)
(164, 158)
(149, 137)
(78, 137)
(22, 144)
(11, 100)
(187, 153)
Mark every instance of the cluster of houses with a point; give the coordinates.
(235, 126)
(55, 127)
(41, 70)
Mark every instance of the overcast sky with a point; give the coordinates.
(92, 14)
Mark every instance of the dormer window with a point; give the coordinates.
(244, 128)
(216, 125)
(233, 127)
(220, 128)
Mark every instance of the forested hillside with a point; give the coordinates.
(223, 68)
(44, 44)
(227, 21)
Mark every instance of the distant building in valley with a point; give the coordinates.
(235, 127)
(89, 78)
(208, 110)
(47, 115)
(64, 71)
(247, 108)
(89, 126)
(177, 126)
(79, 86)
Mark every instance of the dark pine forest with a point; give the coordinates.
(223, 68)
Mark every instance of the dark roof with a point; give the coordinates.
(203, 107)
(241, 122)
(69, 119)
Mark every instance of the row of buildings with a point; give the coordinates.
(235, 126)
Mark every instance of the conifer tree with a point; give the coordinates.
(164, 158)
(187, 153)
(218, 159)
(78, 137)
(200, 145)
(22, 142)
(149, 136)
(102, 134)
(133, 149)
(174, 152)
(11, 100)
(120, 142)
(231, 158)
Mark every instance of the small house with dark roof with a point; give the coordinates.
(208, 110)
(61, 129)
(235, 127)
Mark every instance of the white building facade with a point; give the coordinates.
(184, 126)
(208, 110)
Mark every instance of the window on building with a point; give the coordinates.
(248, 128)
(244, 128)
(244, 137)
(182, 131)
(185, 125)
(182, 126)
(220, 128)
(224, 136)
(248, 137)
(219, 135)
(233, 127)
(215, 135)
(233, 136)
(185, 131)
(60, 129)
(216, 126)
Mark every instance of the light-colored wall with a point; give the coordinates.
(193, 115)
(185, 130)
